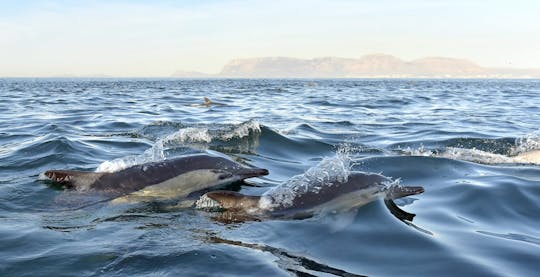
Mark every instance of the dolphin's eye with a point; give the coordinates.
(225, 175)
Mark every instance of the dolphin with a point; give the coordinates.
(299, 200)
(163, 180)
(208, 103)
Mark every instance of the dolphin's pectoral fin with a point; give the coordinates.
(397, 211)
(70, 178)
(397, 191)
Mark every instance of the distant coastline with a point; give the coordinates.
(369, 66)
(374, 66)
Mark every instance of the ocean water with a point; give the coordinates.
(460, 139)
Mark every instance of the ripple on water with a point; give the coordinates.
(457, 138)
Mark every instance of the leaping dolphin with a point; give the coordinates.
(168, 179)
(301, 201)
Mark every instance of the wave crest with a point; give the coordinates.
(198, 136)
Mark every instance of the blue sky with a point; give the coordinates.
(156, 38)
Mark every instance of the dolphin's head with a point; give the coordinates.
(230, 171)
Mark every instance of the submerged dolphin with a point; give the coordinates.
(301, 201)
(168, 179)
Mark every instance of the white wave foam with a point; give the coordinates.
(476, 156)
(154, 153)
(528, 143)
(242, 130)
(525, 151)
(329, 170)
(206, 135)
(188, 135)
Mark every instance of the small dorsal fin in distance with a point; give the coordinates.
(79, 180)
(207, 101)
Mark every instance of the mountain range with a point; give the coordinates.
(369, 66)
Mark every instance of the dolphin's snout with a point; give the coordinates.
(245, 173)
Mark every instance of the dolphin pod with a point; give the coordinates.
(179, 177)
(167, 179)
(319, 198)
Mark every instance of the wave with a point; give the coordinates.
(243, 137)
(250, 137)
(40, 151)
(525, 150)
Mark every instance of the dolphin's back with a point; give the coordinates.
(319, 193)
(140, 176)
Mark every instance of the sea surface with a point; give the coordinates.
(460, 139)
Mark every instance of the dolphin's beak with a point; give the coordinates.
(245, 173)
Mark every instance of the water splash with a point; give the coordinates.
(527, 143)
(327, 171)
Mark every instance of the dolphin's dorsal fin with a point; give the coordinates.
(207, 101)
(80, 180)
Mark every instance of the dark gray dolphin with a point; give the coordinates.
(166, 179)
(301, 201)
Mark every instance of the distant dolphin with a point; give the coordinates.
(301, 201)
(168, 179)
(208, 103)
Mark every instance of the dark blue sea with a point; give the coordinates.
(470, 143)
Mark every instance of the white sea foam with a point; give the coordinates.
(242, 130)
(475, 155)
(155, 153)
(188, 136)
(528, 143)
(525, 151)
(329, 170)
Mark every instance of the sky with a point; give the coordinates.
(157, 38)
